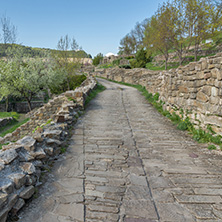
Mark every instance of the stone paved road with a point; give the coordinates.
(127, 163)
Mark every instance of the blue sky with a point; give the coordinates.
(97, 25)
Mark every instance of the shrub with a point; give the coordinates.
(141, 59)
(97, 59)
(212, 147)
(75, 81)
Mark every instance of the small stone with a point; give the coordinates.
(49, 151)
(2, 166)
(28, 168)
(19, 179)
(19, 204)
(30, 180)
(4, 214)
(38, 154)
(8, 156)
(24, 155)
(27, 192)
(51, 142)
(12, 200)
(28, 142)
(3, 199)
(8, 187)
(55, 134)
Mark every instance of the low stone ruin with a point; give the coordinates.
(21, 162)
(5, 121)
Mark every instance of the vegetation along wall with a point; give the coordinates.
(195, 88)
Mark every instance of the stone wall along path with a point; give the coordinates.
(127, 163)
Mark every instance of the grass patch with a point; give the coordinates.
(12, 127)
(182, 122)
(9, 114)
(94, 92)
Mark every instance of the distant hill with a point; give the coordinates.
(38, 51)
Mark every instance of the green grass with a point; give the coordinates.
(94, 92)
(9, 114)
(12, 127)
(182, 122)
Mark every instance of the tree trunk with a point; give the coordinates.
(166, 60)
(6, 104)
(29, 104)
(180, 58)
(195, 52)
(195, 55)
(68, 85)
(165, 64)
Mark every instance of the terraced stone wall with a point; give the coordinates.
(22, 162)
(196, 87)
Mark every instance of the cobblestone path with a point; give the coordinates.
(127, 163)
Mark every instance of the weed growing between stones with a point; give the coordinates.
(63, 150)
(183, 121)
(42, 125)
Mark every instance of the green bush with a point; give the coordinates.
(141, 59)
(97, 59)
(212, 147)
(74, 81)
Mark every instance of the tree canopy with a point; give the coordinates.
(176, 26)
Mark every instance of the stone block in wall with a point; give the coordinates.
(212, 66)
(38, 154)
(3, 199)
(18, 205)
(215, 73)
(183, 89)
(192, 95)
(8, 156)
(28, 167)
(217, 60)
(214, 91)
(198, 67)
(53, 134)
(28, 142)
(200, 83)
(213, 120)
(4, 214)
(18, 179)
(207, 75)
(192, 66)
(204, 63)
(198, 105)
(206, 90)
(27, 192)
(214, 100)
(202, 97)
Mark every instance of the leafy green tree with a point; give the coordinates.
(158, 32)
(198, 20)
(24, 77)
(97, 59)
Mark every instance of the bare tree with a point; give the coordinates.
(9, 31)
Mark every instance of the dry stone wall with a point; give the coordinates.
(196, 87)
(21, 162)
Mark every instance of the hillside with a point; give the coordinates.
(38, 51)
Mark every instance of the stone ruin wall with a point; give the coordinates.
(196, 87)
(22, 162)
